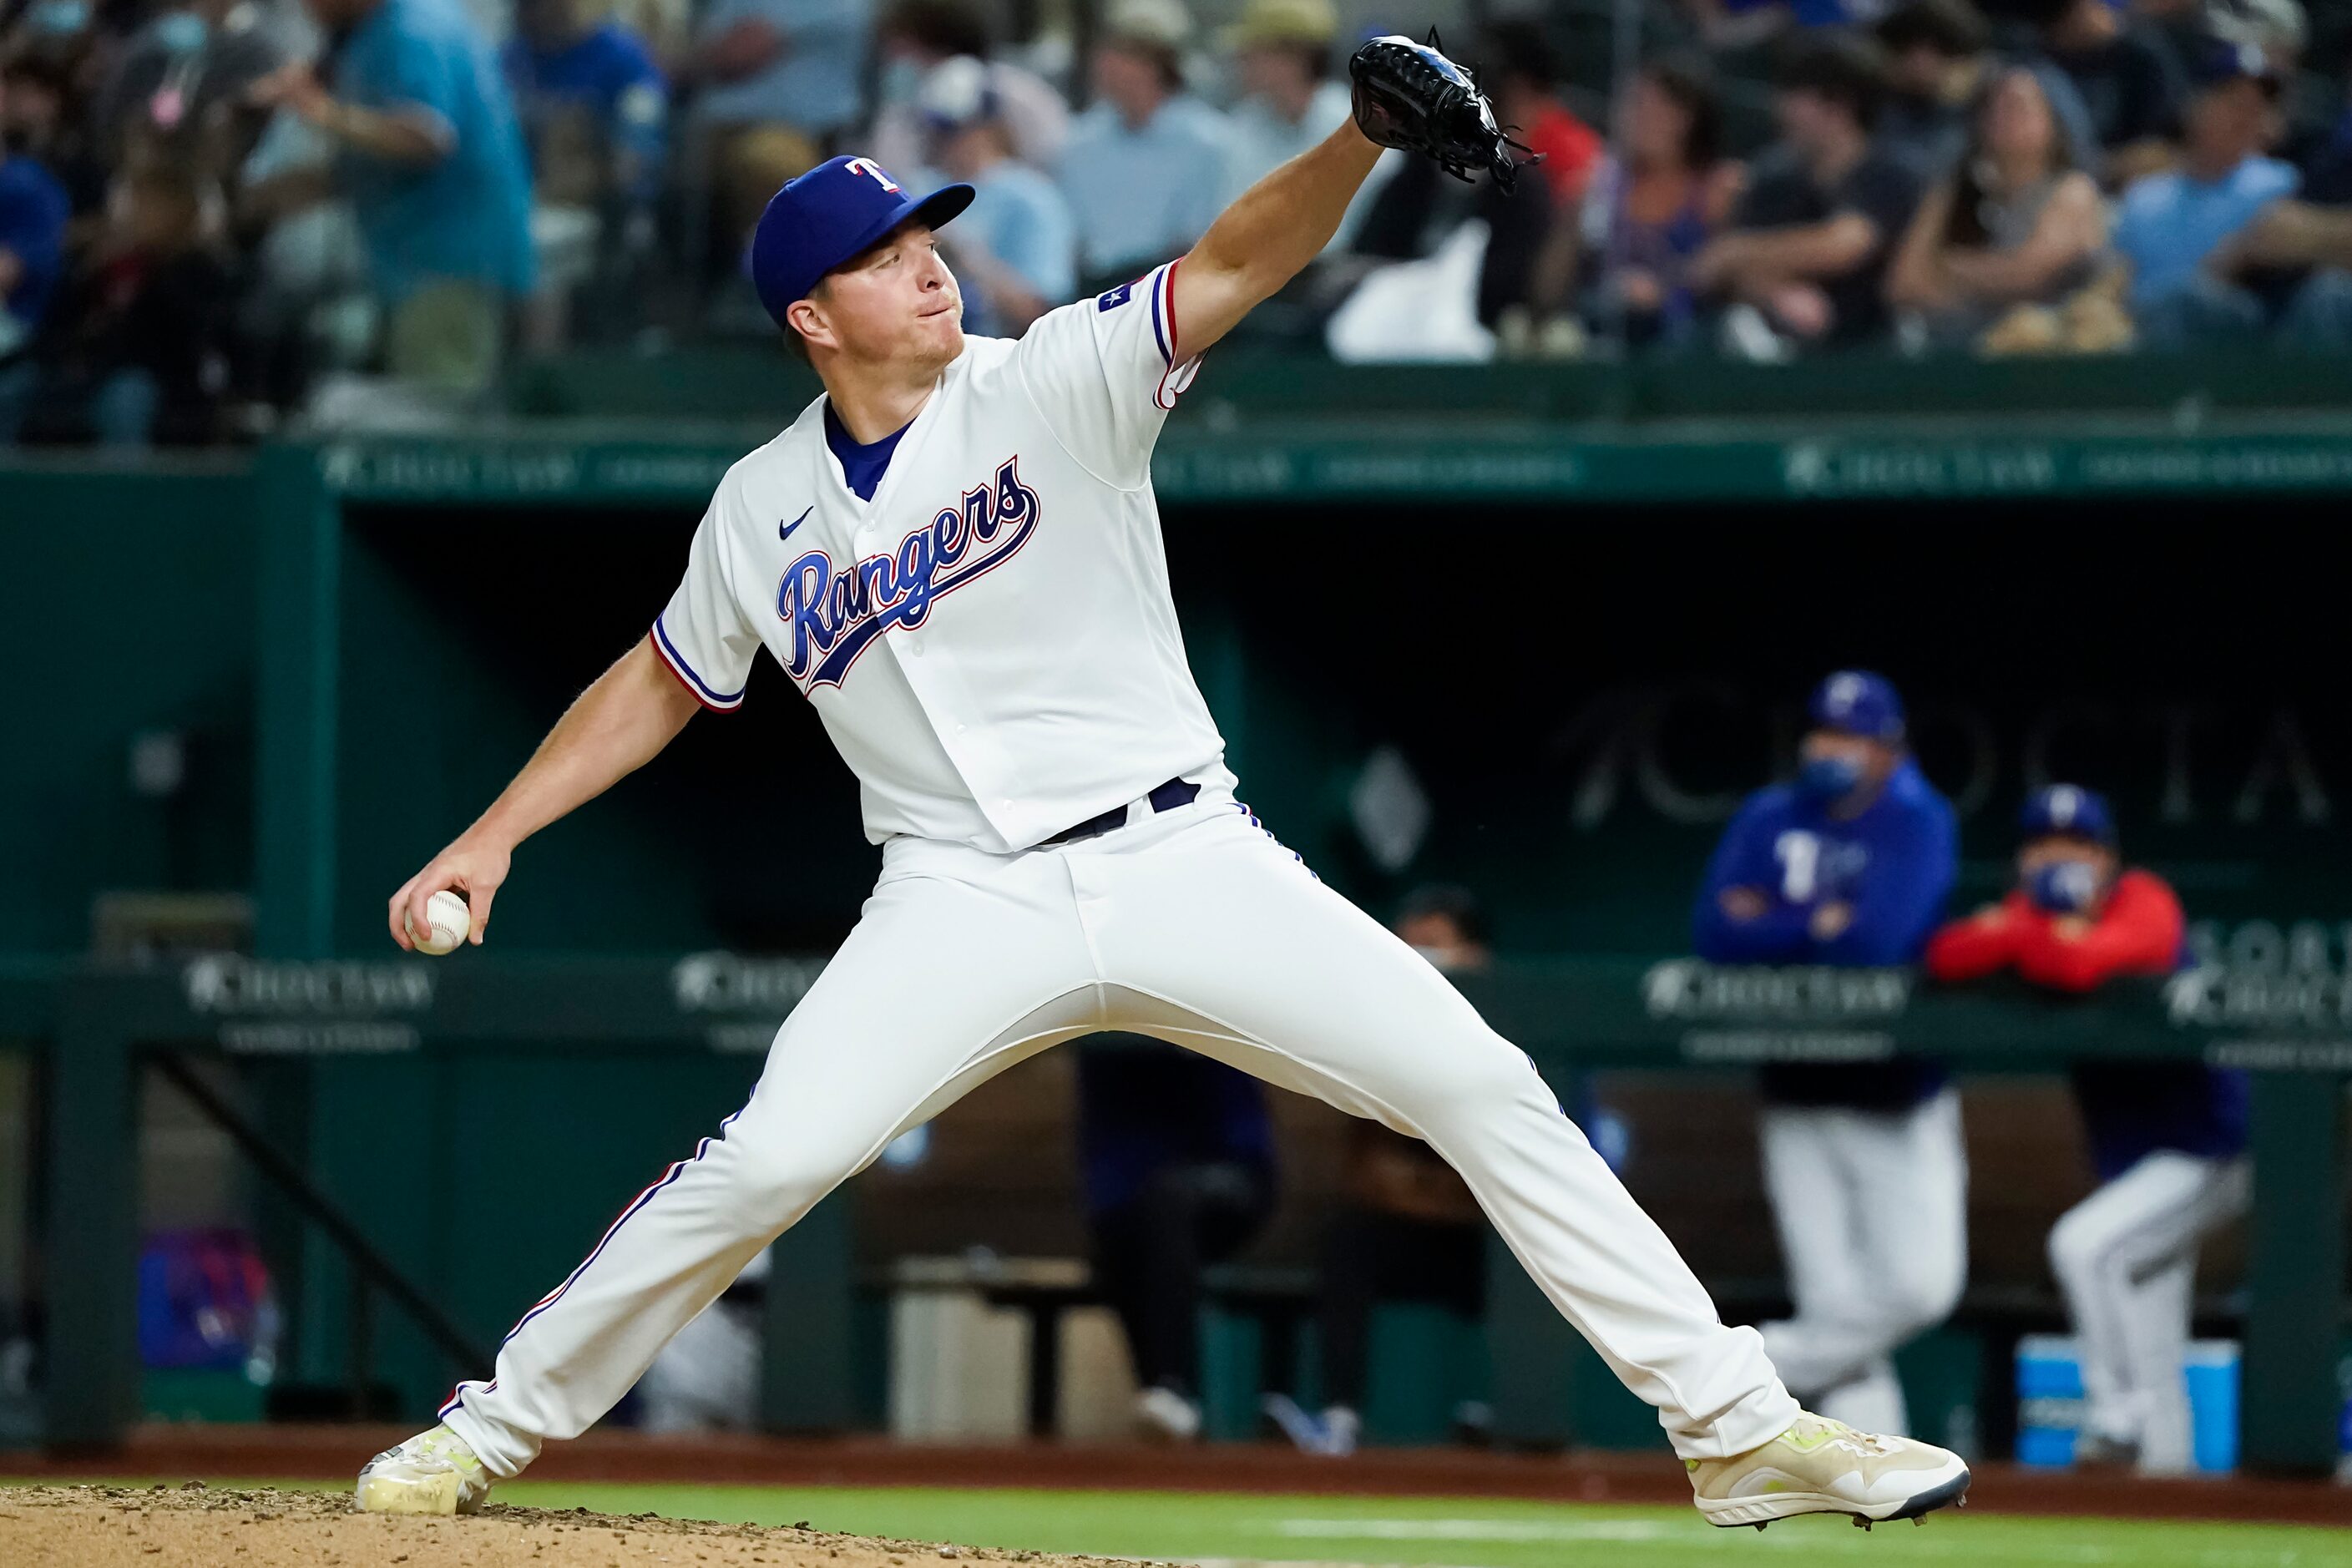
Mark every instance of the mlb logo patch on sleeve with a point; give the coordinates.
(1116, 296)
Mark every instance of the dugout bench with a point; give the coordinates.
(1675, 1015)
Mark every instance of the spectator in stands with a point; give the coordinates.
(1651, 214)
(2325, 156)
(1407, 1230)
(1729, 25)
(1282, 55)
(1807, 250)
(141, 354)
(2012, 234)
(2207, 241)
(774, 82)
(2168, 1138)
(1177, 1155)
(596, 114)
(2278, 28)
(43, 117)
(1014, 248)
(918, 35)
(2129, 77)
(2308, 102)
(179, 85)
(33, 212)
(427, 153)
(1939, 64)
(1849, 864)
(1524, 82)
(1149, 165)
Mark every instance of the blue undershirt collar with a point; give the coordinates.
(863, 464)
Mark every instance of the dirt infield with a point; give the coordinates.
(335, 1454)
(120, 1527)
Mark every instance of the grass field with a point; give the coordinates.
(1424, 1532)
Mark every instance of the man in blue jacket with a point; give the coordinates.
(1849, 864)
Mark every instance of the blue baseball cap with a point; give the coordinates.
(2067, 811)
(1856, 703)
(828, 216)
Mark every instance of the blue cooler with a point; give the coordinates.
(2050, 1402)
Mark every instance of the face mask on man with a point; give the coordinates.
(1828, 779)
(2062, 887)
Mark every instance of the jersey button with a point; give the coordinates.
(915, 647)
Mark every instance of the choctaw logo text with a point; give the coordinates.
(836, 615)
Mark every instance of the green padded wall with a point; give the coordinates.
(128, 598)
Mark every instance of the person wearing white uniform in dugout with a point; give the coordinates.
(1850, 863)
(955, 555)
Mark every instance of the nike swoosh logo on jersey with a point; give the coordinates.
(784, 531)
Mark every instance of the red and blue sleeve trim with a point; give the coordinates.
(1163, 315)
(687, 677)
(1179, 374)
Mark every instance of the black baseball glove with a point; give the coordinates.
(1411, 97)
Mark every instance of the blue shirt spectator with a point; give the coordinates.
(1849, 864)
(600, 77)
(464, 217)
(1144, 192)
(806, 59)
(1149, 167)
(2169, 223)
(1014, 248)
(33, 212)
(1020, 217)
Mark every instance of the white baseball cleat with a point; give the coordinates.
(433, 1472)
(1819, 1465)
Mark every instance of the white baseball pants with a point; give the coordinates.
(1193, 925)
(1872, 1209)
(2126, 1258)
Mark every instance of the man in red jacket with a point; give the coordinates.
(2168, 1137)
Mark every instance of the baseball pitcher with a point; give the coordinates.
(955, 555)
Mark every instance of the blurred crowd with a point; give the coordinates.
(213, 212)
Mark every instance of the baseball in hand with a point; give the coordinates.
(452, 923)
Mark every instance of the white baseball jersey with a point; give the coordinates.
(990, 640)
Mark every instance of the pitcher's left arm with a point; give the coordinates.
(1407, 96)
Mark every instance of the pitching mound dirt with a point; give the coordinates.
(121, 1527)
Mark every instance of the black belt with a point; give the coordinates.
(1167, 798)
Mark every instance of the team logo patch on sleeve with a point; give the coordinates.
(1113, 298)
